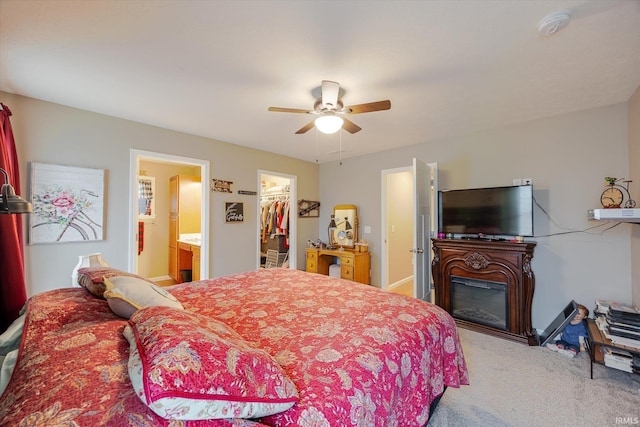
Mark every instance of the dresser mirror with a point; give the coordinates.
(343, 228)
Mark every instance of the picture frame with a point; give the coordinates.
(308, 209)
(221, 185)
(233, 212)
(68, 204)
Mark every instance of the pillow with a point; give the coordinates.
(7, 365)
(92, 278)
(186, 366)
(10, 339)
(127, 294)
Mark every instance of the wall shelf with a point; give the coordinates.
(620, 215)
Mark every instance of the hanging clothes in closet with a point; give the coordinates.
(275, 218)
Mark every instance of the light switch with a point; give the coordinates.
(367, 229)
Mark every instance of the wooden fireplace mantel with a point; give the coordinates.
(499, 261)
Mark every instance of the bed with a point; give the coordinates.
(329, 352)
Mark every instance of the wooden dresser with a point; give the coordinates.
(354, 266)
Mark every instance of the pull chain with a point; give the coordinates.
(317, 149)
(340, 146)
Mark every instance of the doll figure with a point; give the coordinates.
(569, 342)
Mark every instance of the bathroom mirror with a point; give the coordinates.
(343, 228)
(146, 197)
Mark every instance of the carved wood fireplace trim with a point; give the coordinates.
(498, 261)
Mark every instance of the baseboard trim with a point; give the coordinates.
(400, 282)
(159, 278)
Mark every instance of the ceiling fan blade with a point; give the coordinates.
(370, 107)
(305, 128)
(330, 92)
(350, 127)
(288, 110)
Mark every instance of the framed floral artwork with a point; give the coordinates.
(68, 204)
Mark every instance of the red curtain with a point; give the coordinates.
(13, 293)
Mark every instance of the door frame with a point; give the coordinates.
(293, 216)
(135, 156)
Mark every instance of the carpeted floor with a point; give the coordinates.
(513, 384)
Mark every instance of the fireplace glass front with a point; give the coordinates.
(479, 301)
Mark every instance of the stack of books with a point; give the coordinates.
(619, 322)
(620, 359)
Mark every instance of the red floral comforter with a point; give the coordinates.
(358, 356)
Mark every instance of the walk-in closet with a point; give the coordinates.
(275, 220)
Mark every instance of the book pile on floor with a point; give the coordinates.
(622, 360)
(621, 324)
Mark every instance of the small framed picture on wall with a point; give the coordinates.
(234, 212)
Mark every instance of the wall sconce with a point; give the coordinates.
(10, 203)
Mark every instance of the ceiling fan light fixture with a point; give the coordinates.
(329, 123)
(329, 109)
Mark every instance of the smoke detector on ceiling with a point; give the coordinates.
(553, 23)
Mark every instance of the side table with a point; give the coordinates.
(597, 342)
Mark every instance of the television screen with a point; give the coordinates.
(497, 211)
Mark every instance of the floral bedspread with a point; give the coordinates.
(358, 356)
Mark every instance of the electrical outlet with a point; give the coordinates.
(367, 229)
(517, 181)
(527, 181)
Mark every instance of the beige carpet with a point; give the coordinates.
(516, 385)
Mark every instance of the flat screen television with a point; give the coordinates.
(496, 211)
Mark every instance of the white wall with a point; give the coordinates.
(51, 133)
(567, 156)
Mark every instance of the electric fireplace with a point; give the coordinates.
(486, 285)
(479, 301)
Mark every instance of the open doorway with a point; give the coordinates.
(397, 188)
(409, 218)
(276, 220)
(149, 228)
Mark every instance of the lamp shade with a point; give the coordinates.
(329, 123)
(332, 226)
(10, 203)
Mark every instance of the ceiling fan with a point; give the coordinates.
(331, 111)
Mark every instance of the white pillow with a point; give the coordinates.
(7, 364)
(10, 339)
(126, 295)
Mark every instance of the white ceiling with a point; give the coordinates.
(212, 68)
